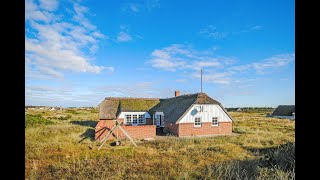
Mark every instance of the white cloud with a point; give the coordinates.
(256, 27)
(181, 80)
(123, 37)
(217, 69)
(134, 7)
(271, 63)
(201, 64)
(98, 35)
(138, 89)
(215, 77)
(140, 7)
(70, 95)
(152, 4)
(49, 5)
(61, 96)
(211, 32)
(80, 12)
(54, 46)
(179, 56)
(167, 64)
(252, 27)
(274, 62)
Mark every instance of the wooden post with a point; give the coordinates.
(117, 125)
(129, 137)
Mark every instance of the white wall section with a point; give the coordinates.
(206, 112)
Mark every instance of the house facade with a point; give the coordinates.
(182, 115)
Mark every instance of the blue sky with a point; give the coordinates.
(79, 52)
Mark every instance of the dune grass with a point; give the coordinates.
(262, 148)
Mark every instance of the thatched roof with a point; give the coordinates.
(111, 107)
(176, 107)
(173, 108)
(284, 110)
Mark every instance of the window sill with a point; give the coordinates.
(197, 126)
(134, 124)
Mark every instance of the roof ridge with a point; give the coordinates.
(180, 96)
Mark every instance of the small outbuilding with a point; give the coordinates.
(284, 111)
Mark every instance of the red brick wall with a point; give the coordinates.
(136, 132)
(171, 128)
(188, 129)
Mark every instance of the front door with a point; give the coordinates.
(158, 120)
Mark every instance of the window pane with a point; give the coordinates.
(140, 119)
(128, 118)
(197, 122)
(214, 121)
(134, 119)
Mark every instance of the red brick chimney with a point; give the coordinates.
(176, 93)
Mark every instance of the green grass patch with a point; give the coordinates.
(72, 111)
(262, 149)
(239, 130)
(35, 120)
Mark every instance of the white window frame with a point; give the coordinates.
(136, 118)
(156, 119)
(141, 119)
(195, 123)
(215, 123)
(126, 119)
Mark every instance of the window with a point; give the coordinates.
(215, 121)
(197, 122)
(128, 119)
(141, 119)
(134, 119)
(155, 119)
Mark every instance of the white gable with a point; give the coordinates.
(206, 112)
(146, 114)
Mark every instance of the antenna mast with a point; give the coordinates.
(201, 81)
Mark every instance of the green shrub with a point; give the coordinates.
(71, 111)
(239, 130)
(34, 120)
(94, 110)
(64, 117)
(61, 117)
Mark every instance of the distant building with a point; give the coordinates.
(284, 111)
(239, 110)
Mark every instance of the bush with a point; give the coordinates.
(64, 117)
(94, 110)
(72, 111)
(61, 117)
(239, 130)
(34, 120)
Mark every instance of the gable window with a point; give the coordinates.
(134, 119)
(128, 119)
(215, 121)
(141, 119)
(197, 122)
